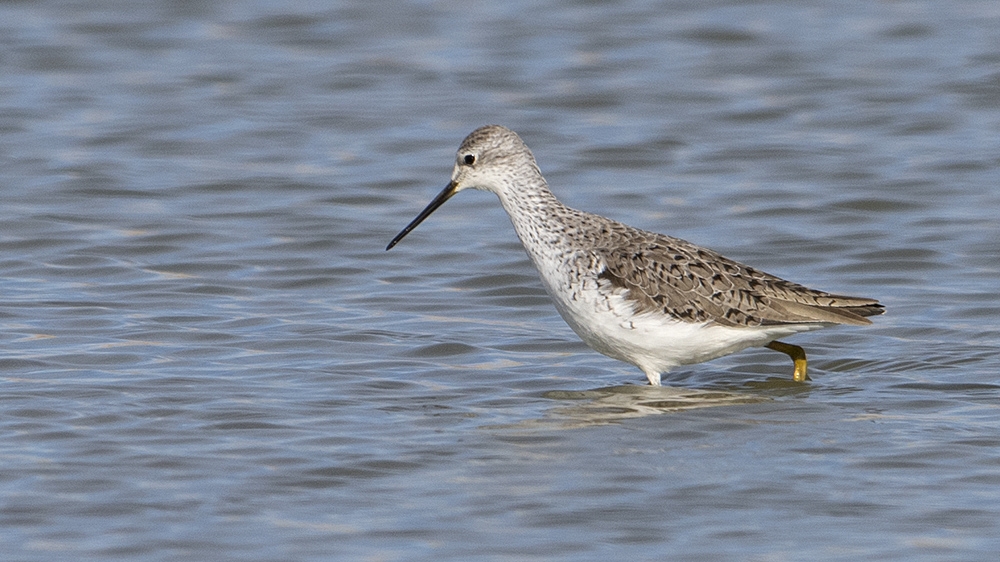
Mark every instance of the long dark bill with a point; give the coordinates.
(445, 195)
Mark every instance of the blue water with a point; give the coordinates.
(208, 355)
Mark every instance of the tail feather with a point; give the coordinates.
(791, 312)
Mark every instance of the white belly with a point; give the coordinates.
(654, 342)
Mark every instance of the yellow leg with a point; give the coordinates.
(798, 356)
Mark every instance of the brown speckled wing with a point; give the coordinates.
(671, 276)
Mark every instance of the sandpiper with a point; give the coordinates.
(647, 299)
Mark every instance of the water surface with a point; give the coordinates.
(208, 355)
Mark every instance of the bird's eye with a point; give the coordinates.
(469, 159)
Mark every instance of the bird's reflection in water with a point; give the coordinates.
(616, 403)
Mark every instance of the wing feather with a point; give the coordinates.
(693, 284)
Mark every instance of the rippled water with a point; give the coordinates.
(207, 355)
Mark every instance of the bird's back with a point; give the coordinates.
(671, 276)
